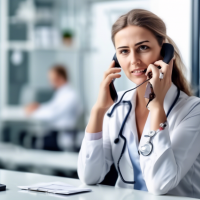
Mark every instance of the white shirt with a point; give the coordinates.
(173, 167)
(62, 111)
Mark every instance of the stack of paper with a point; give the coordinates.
(55, 187)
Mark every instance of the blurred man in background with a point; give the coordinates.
(61, 113)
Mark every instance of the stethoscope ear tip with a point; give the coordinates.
(116, 140)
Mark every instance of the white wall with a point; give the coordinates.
(177, 16)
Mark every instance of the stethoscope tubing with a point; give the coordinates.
(123, 124)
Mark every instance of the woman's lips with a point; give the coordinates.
(139, 73)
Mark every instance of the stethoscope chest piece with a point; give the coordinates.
(146, 149)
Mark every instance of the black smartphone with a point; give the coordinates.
(2, 187)
(167, 52)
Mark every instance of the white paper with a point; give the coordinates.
(55, 187)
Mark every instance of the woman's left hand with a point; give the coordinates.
(160, 86)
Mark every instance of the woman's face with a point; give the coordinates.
(136, 48)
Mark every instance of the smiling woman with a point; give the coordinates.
(171, 127)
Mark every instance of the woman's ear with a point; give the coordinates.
(165, 40)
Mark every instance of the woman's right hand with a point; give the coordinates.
(104, 100)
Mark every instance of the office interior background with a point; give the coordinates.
(37, 34)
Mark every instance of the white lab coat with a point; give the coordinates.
(173, 167)
(62, 111)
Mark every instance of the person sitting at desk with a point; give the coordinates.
(154, 146)
(61, 112)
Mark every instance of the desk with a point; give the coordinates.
(17, 114)
(99, 192)
(13, 113)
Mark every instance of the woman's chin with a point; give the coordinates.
(139, 81)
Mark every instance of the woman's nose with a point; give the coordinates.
(134, 58)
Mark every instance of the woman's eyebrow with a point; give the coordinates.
(135, 44)
(122, 47)
(141, 42)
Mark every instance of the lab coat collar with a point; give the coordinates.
(64, 87)
(131, 121)
(170, 97)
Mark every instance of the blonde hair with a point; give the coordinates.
(150, 21)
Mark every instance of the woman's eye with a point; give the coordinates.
(143, 47)
(124, 51)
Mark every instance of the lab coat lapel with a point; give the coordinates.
(125, 164)
(130, 127)
(131, 121)
(170, 97)
(122, 111)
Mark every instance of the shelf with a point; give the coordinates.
(55, 49)
(16, 20)
(30, 46)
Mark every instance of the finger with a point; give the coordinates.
(111, 70)
(160, 63)
(152, 68)
(166, 68)
(110, 77)
(148, 70)
(112, 64)
(163, 65)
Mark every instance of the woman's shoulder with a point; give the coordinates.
(190, 105)
(193, 100)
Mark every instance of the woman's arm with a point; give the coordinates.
(95, 123)
(157, 116)
(173, 152)
(172, 158)
(104, 100)
(95, 157)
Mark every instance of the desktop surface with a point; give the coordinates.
(13, 179)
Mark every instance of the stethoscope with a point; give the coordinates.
(124, 121)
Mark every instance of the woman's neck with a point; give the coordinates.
(140, 100)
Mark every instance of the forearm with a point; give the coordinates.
(96, 120)
(158, 116)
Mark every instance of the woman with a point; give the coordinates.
(174, 163)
